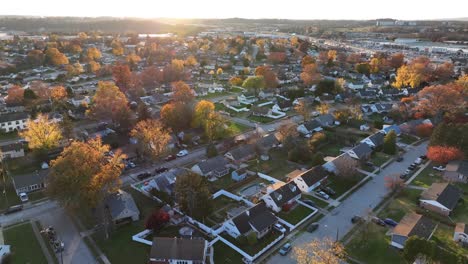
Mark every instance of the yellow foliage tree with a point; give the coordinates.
(152, 138)
(42, 134)
(202, 110)
(323, 251)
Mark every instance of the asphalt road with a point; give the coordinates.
(338, 221)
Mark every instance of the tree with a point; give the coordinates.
(236, 81)
(157, 220)
(413, 74)
(303, 108)
(424, 130)
(306, 60)
(394, 182)
(190, 61)
(122, 76)
(83, 175)
(440, 100)
(389, 145)
(462, 81)
(214, 126)
(346, 166)
(202, 110)
(182, 93)
(152, 138)
(93, 54)
(320, 251)
(55, 57)
(444, 71)
(94, 67)
(444, 154)
(143, 112)
(193, 196)
(133, 60)
(271, 81)
(309, 74)
(58, 93)
(109, 103)
(396, 60)
(363, 68)
(35, 57)
(287, 128)
(323, 108)
(277, 57)
(176, 115)
(42, 135)
(15, 95)
(316, 139)
(254, 83)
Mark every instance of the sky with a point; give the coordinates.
(287, 9)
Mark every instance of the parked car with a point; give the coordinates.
(418, 161)
(439, 168)
(309, 202)
(399, 159)
(312, 227)
(13, 209)
(285, 249)
(280, 228)
(323, 195)
(378, 221)
(405, 174)
(329, 191)
(58, 246)
(370, 164)
(160, 170)
(143, 175)
(23, 197)
(390, 222)
(182, 153)
(423, 157)
(170, 157)
(130, 165)
(356, 219)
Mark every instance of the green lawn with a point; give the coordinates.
(460, 213)
(318, 202)
(331, 149)
(277, 166)
(405, 202)
(24, 245)
(296, 215)
(221, 107)
(213, 95)
(342, 185)
(427, 177)
(261, 119)
(379, 158)
(10, 197)
(443, 236)
(8, 136)
(23, 165)
(374, 247)
(224, 254)
(259, 245)
(407, 139)
(235, 128)
(221, 183)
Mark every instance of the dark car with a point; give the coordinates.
(390, 222)
(356, 219)
(143, 175)
(160, 170)
(13, 209)
(312, 227)
(309, 202)
(423, 157)
(378, 221)
(329, 191)
(399, 159)
(170, 157)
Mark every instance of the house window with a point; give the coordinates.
(17, 122)
(9, 123)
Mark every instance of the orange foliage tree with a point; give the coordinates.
(15, 95)
(424, 130)
(444, 154)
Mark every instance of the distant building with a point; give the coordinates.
(13, 121)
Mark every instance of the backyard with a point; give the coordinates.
(427, 177)
(22, 165)
(254, 248)
(24, 245)
(379, 158)
(224, 254)
(341, 185)
(277, 166)
(261, 119)
(295, 215)
(407, 139)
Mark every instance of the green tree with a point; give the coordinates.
(193, 195)
(254, 83)
(389, 145)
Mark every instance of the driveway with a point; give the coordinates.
(338, 222)
(76, 251)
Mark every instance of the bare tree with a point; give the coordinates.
(346, 166)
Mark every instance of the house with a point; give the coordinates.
(374, 141)
(11, 151)
(281, 196)
(165, 182)
(13, 121)
(327, 120)
(121, 207)
(309, 127)
(241, 153)
(216, 166)
(260, 111)
(30, 182)
(239, 175)
(367, 94)
(440, 198)
(355, 86)
(461, 233)
(364, 127)
(247, 100)
(457, 171)
(360, 152)
(174, 250)
(412, 224)
(410, 126)
(267, 142)
(387, 128)
(283, 105)
(256, 219)
(311, 179)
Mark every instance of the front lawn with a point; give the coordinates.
(407, 139)
(406, 201)
(443, 236)
(341, 185)
(296, 215)
(235, 128)
(331, 149)
(22, 165)
(379, 158)
(318, 202)
(24, 245)
(261, 119)
(10, 197)
(256, 247)
(8, 136)
(213, 95)
(277, 166)
(427, 177)
(224, 254)
(221, 183)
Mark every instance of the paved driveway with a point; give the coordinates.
(338, 222)
(76, 251)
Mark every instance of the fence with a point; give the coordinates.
(140, 237)
(268, 178)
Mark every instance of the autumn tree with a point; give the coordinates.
(157, 220)
(15, 95)
(287, 128)
(315, 140)
(151, 76)
(424, 130)
(201, 112)
(152, 138)
(444, 71)
(236, 81)
(177, 116)
(393, 182)
(413, 74)
(109, 103)
(133, 60)
(389, 145)
(41, 89)
(122, 76)
(254, 83)
(42, 135)
(277, 57)
(190, 61)
(271, 81)
(309, 74)
(93, 54)
(303, 108)
(440, 100)
(182, 93)
(306, 60)
(320, 251)
(363, 68)
(346, 166)
(83, 175)
(214, 126)
(35, 57)
(55, 57)
(93, 67)
(462, 81)
(117, 48)
(323, 108)
(193, 196)
(444, 154)
(396, 60)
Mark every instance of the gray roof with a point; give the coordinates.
(325, 120)
(268, 141)
(10, 147)
(121, 205)
(13, 117)
(377, 138)
(242, 152)
(217, 163)
(262, 110)
(449, 197)
(362, 150)
(460, 166)
(257, 217)
(314, 175)
(285, 193)
(312, 124)
(167, 248)
(26, 180)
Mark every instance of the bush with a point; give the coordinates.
(252, 239)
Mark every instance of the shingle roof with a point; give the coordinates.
(460, 166)
(260, 110)
(13, 117)
(285, 193)
(362, 150)
(312, 124)
(314, 175)
(121, 205)
(217, 163)
(377, 138)
(414, 224)
(166, 248)
(242, 152)
(268, 141)
(26, 180)
(444, 193)
(10, 147)
(257, 217)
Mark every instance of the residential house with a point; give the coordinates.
(309, 127)
(410, 126)
(281, 196)
(174, 250)
(412, 224)
(457, 171)
(256, 219)
(216, 166)
(239, 175)
(461, 233)
(247, 100)
(4, 251)
(374, 141)
(361, 152)
(121, 207)
(30, 182)
(266, 93)
(267, 142)
(310, 179)
(327, 120)
(282, 105)
(241, 153)
(260, 111)
(387, 128)
(355, 86)
(367, 94)
(11, 151)
(440, 198)
(13, 121)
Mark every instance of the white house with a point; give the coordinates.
(281, 195)
(375, 140)
(310, 179)
(256, 219)
(14, 150)
(247, 100)
(13, 121)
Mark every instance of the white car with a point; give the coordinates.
(439, 168)
(280, 228)
(271, 129)
(418, 161)
(323, 195)
(182, 153)
(23, 197)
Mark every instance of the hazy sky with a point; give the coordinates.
(292, 9)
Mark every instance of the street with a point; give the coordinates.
(338, 221)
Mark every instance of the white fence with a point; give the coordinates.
(268, 178)
(232, 196)
(140, 237)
